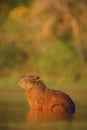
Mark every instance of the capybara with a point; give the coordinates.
(41, 98)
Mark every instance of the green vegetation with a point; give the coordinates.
(46, 41)
(60, 53)
(11, 57)
(14, 3)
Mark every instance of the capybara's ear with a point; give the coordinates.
(37, 77)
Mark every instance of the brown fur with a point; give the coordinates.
(41, 98)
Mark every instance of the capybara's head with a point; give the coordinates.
(27, 82)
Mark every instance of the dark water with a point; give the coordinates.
(15, 115)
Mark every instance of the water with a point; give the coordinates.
(15, 115)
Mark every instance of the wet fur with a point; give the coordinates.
(41, 98)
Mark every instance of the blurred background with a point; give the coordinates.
(47, 38)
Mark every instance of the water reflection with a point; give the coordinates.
(13, 115)
(35, 116)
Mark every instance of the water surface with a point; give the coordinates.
(15, 114)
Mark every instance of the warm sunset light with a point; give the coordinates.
(46, 39)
